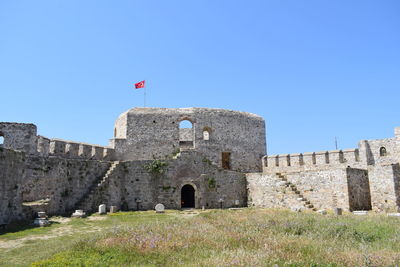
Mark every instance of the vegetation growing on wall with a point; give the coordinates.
(156, 166)
(211, 183)
(176, 153)
(206, 160)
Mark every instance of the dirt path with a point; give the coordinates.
(57, 232)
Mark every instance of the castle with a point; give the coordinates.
(188, 158)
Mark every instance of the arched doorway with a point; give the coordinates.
(187, 196)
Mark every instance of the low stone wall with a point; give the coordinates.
(12, 166)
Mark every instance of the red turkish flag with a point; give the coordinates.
(139, 85)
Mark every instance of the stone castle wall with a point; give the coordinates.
(312, 161)
(58, 182)
(12, 172)
(131, 182)
(155, 133)
(385, 187)
(19, 136)
(23, 137)
(216, 157)
(345, 188)
(363, 178)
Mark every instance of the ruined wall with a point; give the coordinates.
(19, 136)
(154, 133)
(56, 184)
(12, 165)
(131, 181)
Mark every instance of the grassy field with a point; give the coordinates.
(247, 237)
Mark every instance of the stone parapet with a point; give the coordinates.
(73, 150)
(310, 160)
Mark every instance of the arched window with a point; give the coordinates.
(382, 151)
(206, 133)
(185, 124)
(186, 133)
(1, 139)
(115, 132)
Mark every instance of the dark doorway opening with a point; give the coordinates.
(187, 196)
(226, 160)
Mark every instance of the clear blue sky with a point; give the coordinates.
(313, 69)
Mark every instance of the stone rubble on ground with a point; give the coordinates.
(322, 212)
(79, 214)
(360, 212)
(42, 219)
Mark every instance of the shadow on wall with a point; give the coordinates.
(358, 189)
(396, 182)
(370, 155)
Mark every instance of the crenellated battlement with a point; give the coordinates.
(70, 149)
(310, 160)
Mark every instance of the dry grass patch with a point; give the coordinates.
(250, 237)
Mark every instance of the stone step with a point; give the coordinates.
(85, 202)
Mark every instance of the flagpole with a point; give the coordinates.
(144, 100)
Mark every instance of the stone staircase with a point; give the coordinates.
(300, 197)
(86, 202)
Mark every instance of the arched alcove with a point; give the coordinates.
(206, 133)
(382, 151)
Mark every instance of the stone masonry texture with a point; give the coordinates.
(219, 160)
